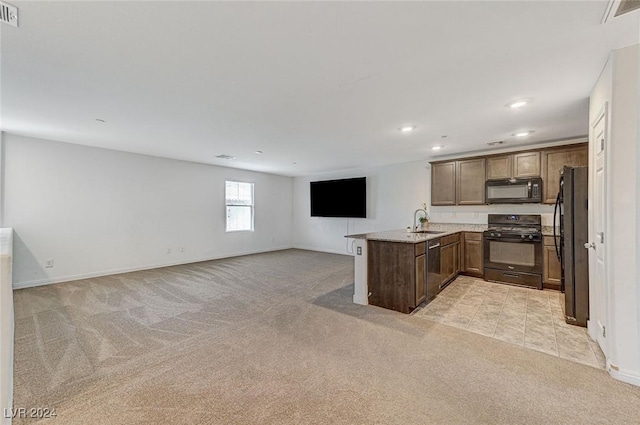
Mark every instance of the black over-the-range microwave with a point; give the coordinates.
(514, 191)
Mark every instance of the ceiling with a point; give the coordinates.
(317, 87)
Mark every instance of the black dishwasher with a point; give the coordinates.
(433, 268)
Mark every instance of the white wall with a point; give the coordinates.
(96, 211)
(6, 326)
(619, 85)
(394, 192)
(625, 233)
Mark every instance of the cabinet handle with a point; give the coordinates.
(512, 275)
(434, 246)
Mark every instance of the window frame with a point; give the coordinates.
(251, 207)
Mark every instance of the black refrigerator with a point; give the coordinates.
(571, 232)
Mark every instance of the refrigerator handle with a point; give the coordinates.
(555, 236)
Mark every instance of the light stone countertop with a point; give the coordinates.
(410, 237)
(446, 228)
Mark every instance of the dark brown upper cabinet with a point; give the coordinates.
(462, 181)
(458, 182)
(553, 160)
(499, 167)
(443, 183)
(517, 165)
(470, 181)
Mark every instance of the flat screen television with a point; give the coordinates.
(339, 198)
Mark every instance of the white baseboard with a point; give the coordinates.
(315, 248)
(70, 278)
(625, 376)
(359, 300)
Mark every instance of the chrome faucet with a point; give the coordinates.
(415, 217)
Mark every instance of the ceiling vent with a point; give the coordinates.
(497, 142)
(226, 157)
(616, 8)
(8, 14)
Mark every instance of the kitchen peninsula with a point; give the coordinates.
(399, 270)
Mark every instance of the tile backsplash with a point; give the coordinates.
(479, 214)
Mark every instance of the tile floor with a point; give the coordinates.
(526, 317)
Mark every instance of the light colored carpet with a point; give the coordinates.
(275, 339)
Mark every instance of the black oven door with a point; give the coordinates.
(513, 254)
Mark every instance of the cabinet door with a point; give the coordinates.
(552, 163)
(551, 270)
(446, 263)
(391, 274)
(470, 181)
(473, 254)
(456, 258)
(421, 279)
(499, 167)
(526, 164)
(443, 183)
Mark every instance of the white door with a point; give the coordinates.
(598, 288)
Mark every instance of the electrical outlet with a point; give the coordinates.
(359, 250)
(48, 263)
(181, 249)
(168, 250)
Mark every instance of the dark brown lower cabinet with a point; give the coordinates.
(421, 279)
(472, 254)
(449, 258)
(551, 269)
(397, 274)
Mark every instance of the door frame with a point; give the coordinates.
(593, 327)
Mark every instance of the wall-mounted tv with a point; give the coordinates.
(339, 198)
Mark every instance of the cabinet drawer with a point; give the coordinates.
(420, 248)
(473, 236)
(524, 279)
(446, 240)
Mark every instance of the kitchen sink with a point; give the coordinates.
(430, 232)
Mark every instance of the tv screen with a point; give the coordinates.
(339, 198)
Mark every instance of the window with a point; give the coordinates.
(239, 203)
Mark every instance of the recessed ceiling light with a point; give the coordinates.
(100, 120)
(518, 103)
(258, 152)
(407, 128)
(522, 133)
(436, 148)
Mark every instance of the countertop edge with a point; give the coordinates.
(402, 236)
